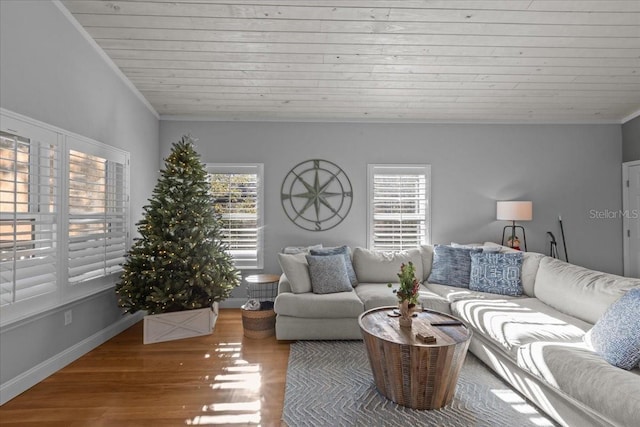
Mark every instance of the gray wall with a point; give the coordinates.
(631, 140)
(49, 72)
(564, 169)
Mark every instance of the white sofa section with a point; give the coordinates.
(534, 342)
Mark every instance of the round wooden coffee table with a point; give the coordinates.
(407, 370)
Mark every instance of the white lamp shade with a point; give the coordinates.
(514, 211)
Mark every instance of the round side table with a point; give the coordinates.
(263, 287)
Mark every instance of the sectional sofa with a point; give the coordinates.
(535, 342)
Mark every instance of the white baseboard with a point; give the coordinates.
(26, 380)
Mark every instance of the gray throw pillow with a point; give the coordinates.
(451, 266)
(344, 251)
(328, 274)
(497, 273)
(297, 271)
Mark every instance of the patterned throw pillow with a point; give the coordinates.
(497, 273)
(328, 274)
(451, 266)
(344, 251)
(616, 336)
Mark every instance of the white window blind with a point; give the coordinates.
(28, 209)
(237, 190)
(63, 216)
(398, 206)
(98, 213)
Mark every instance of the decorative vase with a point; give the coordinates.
(406, 313)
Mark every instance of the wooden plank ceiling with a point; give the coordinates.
(431, 60)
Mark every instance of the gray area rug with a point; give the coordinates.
(329, 383)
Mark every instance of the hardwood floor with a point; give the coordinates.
(219, 379)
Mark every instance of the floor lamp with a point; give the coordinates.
(514, 211)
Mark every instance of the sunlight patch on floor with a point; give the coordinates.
(251, 377)
(245, 368)
(224, 419)
(239, 375)
(238, 406)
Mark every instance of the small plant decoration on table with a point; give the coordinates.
(407, 293)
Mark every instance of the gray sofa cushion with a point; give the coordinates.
(284, 285)
(379, 295)
(376, 295)
(310, 305)
(512, 323)
(426, 251)
(585, 376)
(453, 293)
(530, 264)
(292, 250)
(577, 291)
(383, 267)
(431, 301)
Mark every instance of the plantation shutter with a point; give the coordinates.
(63, 216)
(97, 212)
(238, 197)
(28, 211)
(398, 206)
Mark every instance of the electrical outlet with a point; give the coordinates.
(67, 317)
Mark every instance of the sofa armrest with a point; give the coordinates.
(284, 285)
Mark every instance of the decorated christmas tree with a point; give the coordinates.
(178, 262)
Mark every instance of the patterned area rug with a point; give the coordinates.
(329, 383)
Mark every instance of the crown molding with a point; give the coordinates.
(630, 117)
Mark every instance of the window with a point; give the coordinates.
(97, 206)
(399, 206)
(237, 190)
(28, 209)
(63, 216)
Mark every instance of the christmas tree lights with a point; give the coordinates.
(179, 261)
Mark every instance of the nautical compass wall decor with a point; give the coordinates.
(316, 195)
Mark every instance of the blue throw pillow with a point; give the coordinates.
(328, 274)
(344, 251)
(616, 335)
(497, 273)
(451, 266)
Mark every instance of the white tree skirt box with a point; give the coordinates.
(179, 324)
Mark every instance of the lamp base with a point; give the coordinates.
(513, 234)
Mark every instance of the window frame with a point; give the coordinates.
(63, 292)
(396, 169)
(36, 137)
(247, 168)
(112, 156)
